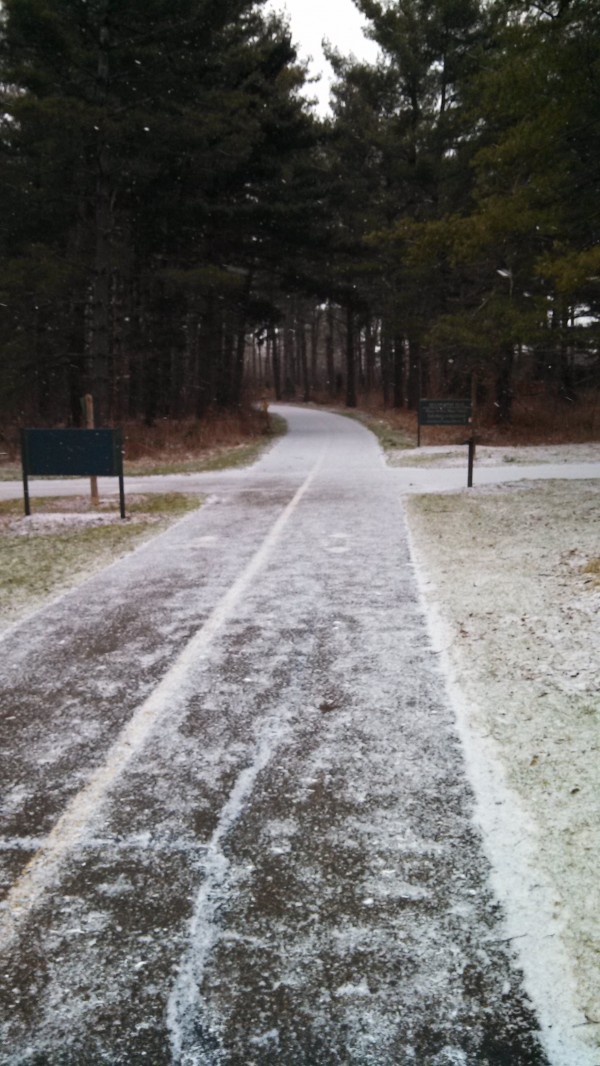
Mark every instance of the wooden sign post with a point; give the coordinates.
(88, 402)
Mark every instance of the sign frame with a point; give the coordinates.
(445, 412)
(72, 453)
(455, 412)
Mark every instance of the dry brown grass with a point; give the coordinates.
(548, 420)
(219, 439)
(177, 441)
(536, 420)
(593, 568)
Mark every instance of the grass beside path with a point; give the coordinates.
(64, 542)
(391, 437)
(222, 458)
(512, 574)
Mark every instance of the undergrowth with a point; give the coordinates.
(191, 446)
(390, 436)
(535, 420)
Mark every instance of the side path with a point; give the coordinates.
(232, 767)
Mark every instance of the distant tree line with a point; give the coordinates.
(176, 222)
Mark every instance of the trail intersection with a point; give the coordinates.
(237, 826)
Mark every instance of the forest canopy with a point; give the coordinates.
(178, 225)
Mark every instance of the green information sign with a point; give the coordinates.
(445, 412)
(72, 453)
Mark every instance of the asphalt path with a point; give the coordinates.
(236, 823)
(406, 480)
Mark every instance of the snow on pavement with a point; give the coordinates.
(432, 468)
(71, 825)
(287, 868)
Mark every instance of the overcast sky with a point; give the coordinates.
(336, 20)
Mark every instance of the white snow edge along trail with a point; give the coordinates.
(532, 928)
(43, 870)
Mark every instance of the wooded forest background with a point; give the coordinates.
(179, 230)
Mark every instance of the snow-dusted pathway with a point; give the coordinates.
(236, 826)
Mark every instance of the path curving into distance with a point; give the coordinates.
(236, 824)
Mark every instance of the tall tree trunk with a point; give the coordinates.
(414, 372)
(370, 355)
(398, 371)
(240, 348)
(151, 385)
(276, 364)
(314, 351)
(386, 361)
(566, 359)
(136, 345)
(238, 366)
(301, 334)
(75, 332)
(504, 391)
(289, 370)
(359, 348)
(330, 353)
(99, 342)
(176, 386)
(225, 363)
(350, 360)
(118, 358)
(40, 364)
(208, 352)
(424, 375)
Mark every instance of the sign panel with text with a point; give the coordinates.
(445, 412)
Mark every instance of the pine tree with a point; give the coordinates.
(164, 131)
(399, 131)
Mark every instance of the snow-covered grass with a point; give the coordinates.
(510, 575)
(445, 455)
(64, 542)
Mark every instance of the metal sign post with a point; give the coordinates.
(471, 443)
(449, 413)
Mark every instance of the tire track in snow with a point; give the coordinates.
(43, 870)
(204, 931)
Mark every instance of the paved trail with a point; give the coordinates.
(236, 823)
